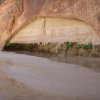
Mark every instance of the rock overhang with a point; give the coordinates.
(14, 14)
(56, 30)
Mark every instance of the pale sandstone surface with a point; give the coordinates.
(57, 30)
(16, 13)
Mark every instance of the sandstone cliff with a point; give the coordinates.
(58, 19)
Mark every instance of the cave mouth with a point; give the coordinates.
(54, 36)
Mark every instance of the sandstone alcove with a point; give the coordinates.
(56, 30)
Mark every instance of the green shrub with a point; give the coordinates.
(85, 46)
(68, 45)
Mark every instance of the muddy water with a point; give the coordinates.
(24, 77)
(93, 63)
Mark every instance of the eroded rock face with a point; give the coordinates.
(14, 14)
(57, 30)
(10, 11)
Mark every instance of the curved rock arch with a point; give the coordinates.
(21, 10)
(53, 29)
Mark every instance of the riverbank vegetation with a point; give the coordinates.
(67, 48)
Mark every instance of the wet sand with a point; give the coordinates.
(24, 77)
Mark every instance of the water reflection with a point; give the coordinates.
(92, 63)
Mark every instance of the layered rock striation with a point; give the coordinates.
(49, 21)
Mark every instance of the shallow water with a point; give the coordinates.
(92, 63)
(44, 79)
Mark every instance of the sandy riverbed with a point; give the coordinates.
(24, 77)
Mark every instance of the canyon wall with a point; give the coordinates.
(49, 21)
(56, 30)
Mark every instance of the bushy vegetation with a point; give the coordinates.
(85, 46)
(69, 45)
(67, 48)
(20, 47)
